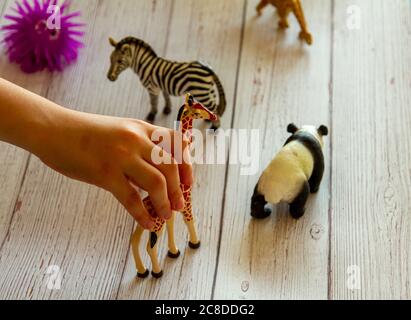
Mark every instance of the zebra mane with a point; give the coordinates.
(137, 42)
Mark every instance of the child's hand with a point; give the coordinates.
(115, 154)
(111, 153)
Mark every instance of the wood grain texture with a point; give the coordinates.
(356, 81)
(2, 8)
(13, 160)
(281, 81)
(209, 31)
(60, 222)
(371, 146)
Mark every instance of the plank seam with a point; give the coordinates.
(20, 187)
(45, 93)
(330, 108)
(170, 19)
(89, 34)
(47, 84)
(240, 52)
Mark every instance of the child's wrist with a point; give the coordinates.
(46, 131)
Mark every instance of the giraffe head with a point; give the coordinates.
(195, 110)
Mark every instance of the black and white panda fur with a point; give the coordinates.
(296, 171)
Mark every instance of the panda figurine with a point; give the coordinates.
(296, 171)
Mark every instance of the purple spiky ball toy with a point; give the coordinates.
(42, 35)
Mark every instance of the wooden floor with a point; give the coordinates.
(358, 227)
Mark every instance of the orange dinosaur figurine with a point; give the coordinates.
(190, 111)
(284, 7)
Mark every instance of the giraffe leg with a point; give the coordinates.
(142, 272)
(194, 242)
(173, 251)
(299, 13)
(167, 108)
(261, 6)
(154, 107)
(152, 250)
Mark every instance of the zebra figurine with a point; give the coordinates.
(171, 78)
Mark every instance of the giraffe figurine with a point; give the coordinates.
(284, 7)
(191, 110)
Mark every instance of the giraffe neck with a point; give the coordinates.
(186, 127)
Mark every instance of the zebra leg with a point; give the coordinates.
(297, 207)
(154, 107)
(216, 125)
(142, 272)
(152, 250)
(167, 108)
(173, 251)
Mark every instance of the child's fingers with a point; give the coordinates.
(181, 153)
(131, 200)
(186, 169)
(169, 168)
(150, 179)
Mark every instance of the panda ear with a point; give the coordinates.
(292, 128)
(323, 130)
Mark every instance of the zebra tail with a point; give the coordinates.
(221, 96)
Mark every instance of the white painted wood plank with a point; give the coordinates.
(13, 160)
(209, 31)
(371, 201)
(281, 81)
(81, 229)
(2, 7)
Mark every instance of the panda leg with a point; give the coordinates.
(297, 207)
(314, 183)
(258, 209)
(317, 175)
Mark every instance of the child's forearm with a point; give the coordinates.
(26, 119)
